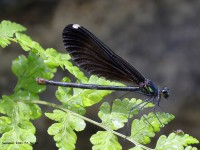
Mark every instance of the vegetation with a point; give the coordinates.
(22, 106)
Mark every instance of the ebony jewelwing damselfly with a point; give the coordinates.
(92, 55)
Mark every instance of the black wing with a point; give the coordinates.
(92, 55)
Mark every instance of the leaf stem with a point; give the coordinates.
(88, 120)
(12, 39)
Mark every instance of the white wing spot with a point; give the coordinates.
(76, 26)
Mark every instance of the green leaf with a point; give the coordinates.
(27, 126)
(27, 43)
(115, 118)
(4, 42)
(190, 148)
(11, 104)
(27, 70)
(176, 141)
(16, 129)
(164, 118)
(27, 110)
(54, 59)
(105, 140)
(5, 124)
(144, 129)
(7, 105)
(91, 97)
(17, 138)
(77, 99)
(63, 131)
(94, 96)
(7, 30)
(64, 95)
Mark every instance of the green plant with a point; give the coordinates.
(19, 108)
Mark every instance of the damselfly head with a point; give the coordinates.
(165, 92)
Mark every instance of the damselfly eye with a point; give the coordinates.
(165, 92)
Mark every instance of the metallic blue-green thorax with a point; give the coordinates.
(148, 87)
